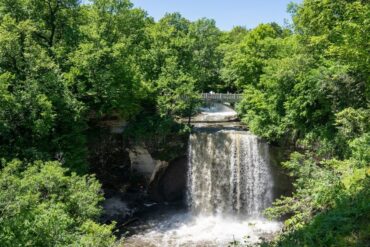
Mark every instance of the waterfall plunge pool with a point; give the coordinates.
(186, 230)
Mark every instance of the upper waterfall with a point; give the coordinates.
(216, 112)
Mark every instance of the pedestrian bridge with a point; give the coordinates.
(220, 97)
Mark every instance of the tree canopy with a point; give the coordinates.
(41, 205)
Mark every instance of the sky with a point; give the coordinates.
(226, 13)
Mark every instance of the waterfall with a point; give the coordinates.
(230, 183)
(229, 174)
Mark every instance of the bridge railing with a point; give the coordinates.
(222, 97)
(218, 97)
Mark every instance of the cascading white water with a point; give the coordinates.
(229, 174)
(230, 183)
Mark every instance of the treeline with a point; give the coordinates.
(63, 63)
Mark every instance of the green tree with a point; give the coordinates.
(40, 117)
(339, 30)
(43, 206)
(105, 72)
(244, 61)
(176, 91)
(205, 65)
(172, 82)
(169, 39)
(55, 23)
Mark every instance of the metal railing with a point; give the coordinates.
(222, 97)
(217, 97)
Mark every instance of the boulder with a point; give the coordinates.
(154, 188)
(165, 181)
(174, 181)
(169, 182)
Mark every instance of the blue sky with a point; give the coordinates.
(227, 13)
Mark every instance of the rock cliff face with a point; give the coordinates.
(166, 181)
(142, 162)
(175, 179)
(109, 159)
(169, 183)
(124, 167)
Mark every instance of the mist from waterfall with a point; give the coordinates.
(229, 174)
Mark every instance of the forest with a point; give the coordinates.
(65, 65)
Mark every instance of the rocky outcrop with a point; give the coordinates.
(173, 182)
(154, 190)
(169, 182)
(114, 122)
(166, 181)
(108, 158)
(141, 161)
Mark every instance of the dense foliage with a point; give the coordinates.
(64, 64)
(41, 205)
